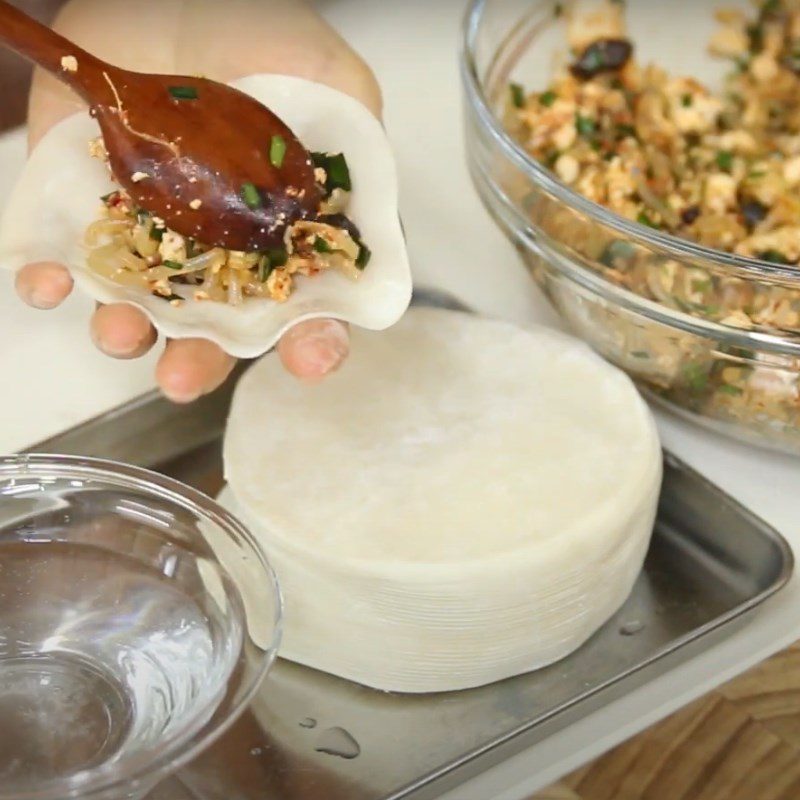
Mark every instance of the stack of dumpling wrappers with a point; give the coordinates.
(466, 500)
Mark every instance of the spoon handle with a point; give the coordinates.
(45, 47)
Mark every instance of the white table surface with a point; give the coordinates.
(53, 378)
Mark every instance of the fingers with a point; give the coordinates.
(44, 284)
(190, 368)
(315, 348)
(121, 331)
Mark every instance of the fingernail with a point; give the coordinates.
(322, 354)
(39, 300)
(115, 351)
(178, 397)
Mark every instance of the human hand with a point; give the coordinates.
(221, 41)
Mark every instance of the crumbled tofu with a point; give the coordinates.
(738, 319)
(738, 142)
(172, 247)
(764, 68)
(729, 42)
(604, 21)
(567, 168)
(720, 192)
(785, 240)
(69, 64)
(699, 116)
(139, 176)
(97, 149)
(195, 204)
(565, 136)
(279, 285)
(791, 171)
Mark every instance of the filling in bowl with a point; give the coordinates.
(721, 169)
(130, 246)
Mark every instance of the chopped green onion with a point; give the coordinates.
(142, 216)
(705, 309)
(732, 390)
(696, 377)
(701, 285)
(251, 196)
(364, 255)
(773, 256)
(769, 8)
(277, 258)
(338, 173)
(517, 94)
(551, 158)
(548, 98)
(277, 151)
(168, 297)
(686, 100)
(171, 264)
(321, 246)
(264, 268)
(741, 353)
(183, 92)
(558, 10)
(644, 219)
(270, 260)
(618, 253)
(585, 125)
(156, 233)
(725, 160)
(106, 197)
(640, 354)
(755, 36)
(626, 130)
(336, 169)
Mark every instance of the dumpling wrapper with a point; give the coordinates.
(58, 196)
(464, 501)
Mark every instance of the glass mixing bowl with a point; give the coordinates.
(674, 343)
(137, 618)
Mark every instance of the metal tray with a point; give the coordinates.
(311, 736)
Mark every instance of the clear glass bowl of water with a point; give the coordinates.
(137, 619)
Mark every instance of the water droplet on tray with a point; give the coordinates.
(337, 742)
(256, 751)
(631, 628)
(308, 722)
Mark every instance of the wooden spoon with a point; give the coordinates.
(212, 162)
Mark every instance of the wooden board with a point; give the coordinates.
(741, 742)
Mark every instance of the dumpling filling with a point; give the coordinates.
(130, 246)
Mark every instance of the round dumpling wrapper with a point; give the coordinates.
(57, 197)
(466, 500)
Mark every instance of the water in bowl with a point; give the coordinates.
(102, 655)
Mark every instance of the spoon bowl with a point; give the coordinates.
(210, 161)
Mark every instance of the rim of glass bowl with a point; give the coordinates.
(673, 245)
(181, 749)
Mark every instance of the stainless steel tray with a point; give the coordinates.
(310, 736)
